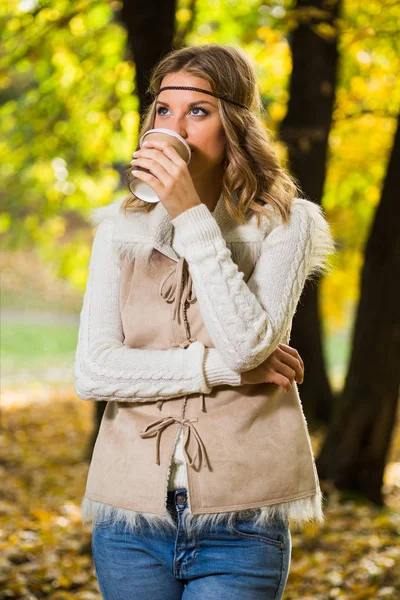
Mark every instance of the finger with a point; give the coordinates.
(167, 149)
(158, 156)
(284, 370)
(155, 169)
(282, 358)
(293, 352)
(281, 381)
(153, 182)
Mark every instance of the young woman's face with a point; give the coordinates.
(200, 124)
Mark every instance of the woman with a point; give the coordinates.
(203, 454)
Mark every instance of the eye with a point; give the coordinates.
(205, 112)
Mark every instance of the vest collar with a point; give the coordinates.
(136, 234)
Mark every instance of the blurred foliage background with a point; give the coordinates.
(69, 117)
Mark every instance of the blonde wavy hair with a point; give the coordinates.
(251, 167)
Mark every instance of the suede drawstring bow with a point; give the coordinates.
(157, 427)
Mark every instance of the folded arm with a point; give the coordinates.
(247, 321)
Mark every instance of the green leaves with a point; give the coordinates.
(66, 99)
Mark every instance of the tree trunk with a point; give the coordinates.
(305, 131)
(355, 450)
(150, 26)
(306, 337)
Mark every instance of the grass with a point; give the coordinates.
(37, 351)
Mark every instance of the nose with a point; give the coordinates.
(178, 125)
(180, 130)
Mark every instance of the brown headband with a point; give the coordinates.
(181, 87)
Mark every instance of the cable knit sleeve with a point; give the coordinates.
(247, 321)
(106, 369)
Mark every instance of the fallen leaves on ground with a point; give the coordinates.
(45, 550)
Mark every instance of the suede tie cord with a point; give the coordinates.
(157, 427)
(177, 288)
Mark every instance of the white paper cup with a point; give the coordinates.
(143, 190)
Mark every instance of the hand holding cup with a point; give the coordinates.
(163, 160)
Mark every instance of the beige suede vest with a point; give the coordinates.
(246, 446)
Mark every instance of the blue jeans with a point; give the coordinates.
(246, 563)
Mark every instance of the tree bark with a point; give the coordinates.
(305, 130)
(355, 450)
(150, 26)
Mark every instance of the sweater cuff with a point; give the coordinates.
(197, 225)
(216, 371)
